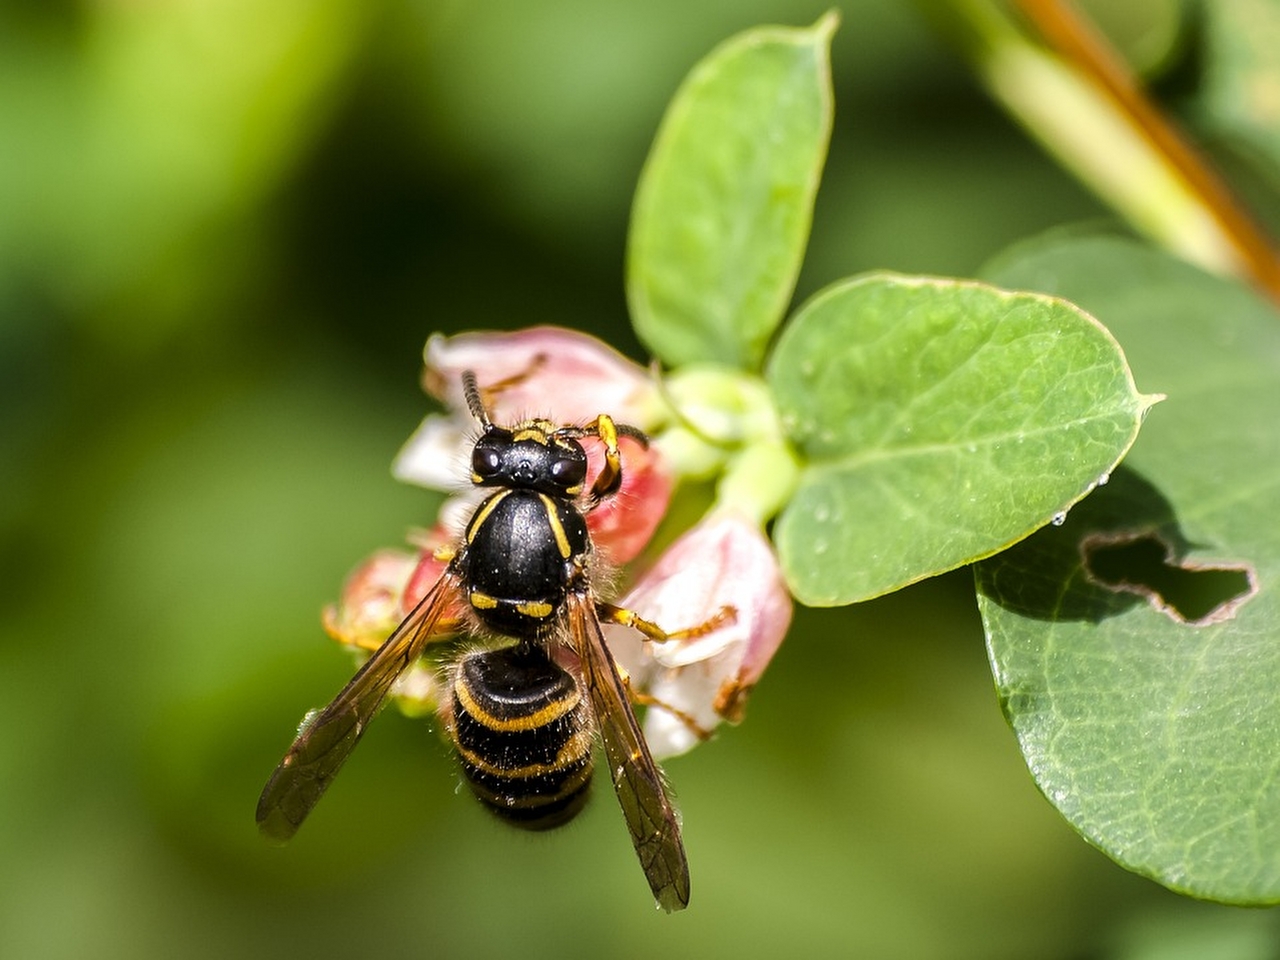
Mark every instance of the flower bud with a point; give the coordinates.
(377, 597)
(370, 605)
(723, 562)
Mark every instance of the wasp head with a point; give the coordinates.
(534, 455)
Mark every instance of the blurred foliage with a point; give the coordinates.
(225, 231)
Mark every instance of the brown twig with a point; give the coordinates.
(1072, 37)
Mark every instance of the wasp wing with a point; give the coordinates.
(328, 737)
(654, 826)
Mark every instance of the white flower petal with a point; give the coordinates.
(691, 690)
(725, 561)
(435, 456)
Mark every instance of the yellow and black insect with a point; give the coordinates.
(518, 716)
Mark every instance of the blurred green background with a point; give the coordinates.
(226, 229)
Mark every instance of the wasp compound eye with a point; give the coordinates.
(569, 471)
(485, 461)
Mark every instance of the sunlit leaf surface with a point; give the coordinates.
(723, 208)
(940, 421)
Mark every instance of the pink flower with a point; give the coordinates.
(428, 569)
(381, 591)
(376, 597)
(563, 375)
(370, 606)
(725, 561)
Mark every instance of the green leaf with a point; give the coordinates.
(1135, 648)
(939, 421)
(724, 205)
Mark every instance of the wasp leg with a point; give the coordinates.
(609, 613)
(489, 393)
(648, 700)
(731, 699)
(371, 642)
(536, 363)
(609, 479)
(629, 618)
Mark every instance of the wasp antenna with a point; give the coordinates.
(635, 433)
(471, 390)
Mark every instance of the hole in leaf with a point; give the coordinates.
(1147, 565)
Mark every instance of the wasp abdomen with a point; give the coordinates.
(523, 736)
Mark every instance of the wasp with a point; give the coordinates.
(522, 714)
